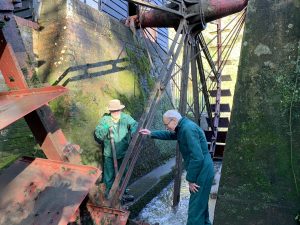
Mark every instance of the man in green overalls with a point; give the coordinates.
(114, 130)
(197, 161)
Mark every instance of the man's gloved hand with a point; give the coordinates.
(106, 126)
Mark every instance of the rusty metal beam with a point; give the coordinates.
(219, 90)
(204, 86)
(210, 10)
(9, 66)
(207, 55)
(195, 85)
(107, 216)
(17, 104)
(41, 121)
(182, 109)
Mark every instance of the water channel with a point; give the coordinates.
(160, 210)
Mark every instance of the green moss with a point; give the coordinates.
(258, 181)
(139, 64)
(34, 81)
(16, 141)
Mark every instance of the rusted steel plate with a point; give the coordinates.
(108, 216)
(16, 104)
(10, 68)
(43, 191)
(24, 22)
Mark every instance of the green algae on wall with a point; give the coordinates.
(97, 59)
(261, 169)
(16, 141)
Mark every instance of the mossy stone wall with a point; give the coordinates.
(97, 58)
(261, 171)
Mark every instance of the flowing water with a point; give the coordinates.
(160, 210)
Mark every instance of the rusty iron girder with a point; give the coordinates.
(18, 103)
(195, 11)
(108, 216)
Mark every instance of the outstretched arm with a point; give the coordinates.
(159, 134)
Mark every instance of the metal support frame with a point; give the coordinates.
(182, 109)
(204, 86)
(38, 117)
(219, 90)
(53, 142)
(195, 85)
(134, 148)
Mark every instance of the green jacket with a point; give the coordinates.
(193, 147)
(122, 132)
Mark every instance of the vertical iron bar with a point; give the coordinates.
(195, 85)
(182, 110)
(218, 96)
(204, 86)
(207, 54)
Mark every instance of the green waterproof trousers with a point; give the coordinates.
(109, 172)
(198, 207)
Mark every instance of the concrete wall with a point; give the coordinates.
(261, 173)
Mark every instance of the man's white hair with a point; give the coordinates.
(172, 114)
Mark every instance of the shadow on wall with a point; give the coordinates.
(86, 75)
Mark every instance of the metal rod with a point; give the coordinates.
(195, 87)
(219, 91)
(113, 150)
(207, 54)
(182, 110)
(204, 87)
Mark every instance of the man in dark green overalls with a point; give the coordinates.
(197, 161)
(115, 130)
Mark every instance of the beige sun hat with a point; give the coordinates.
(114, 105)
